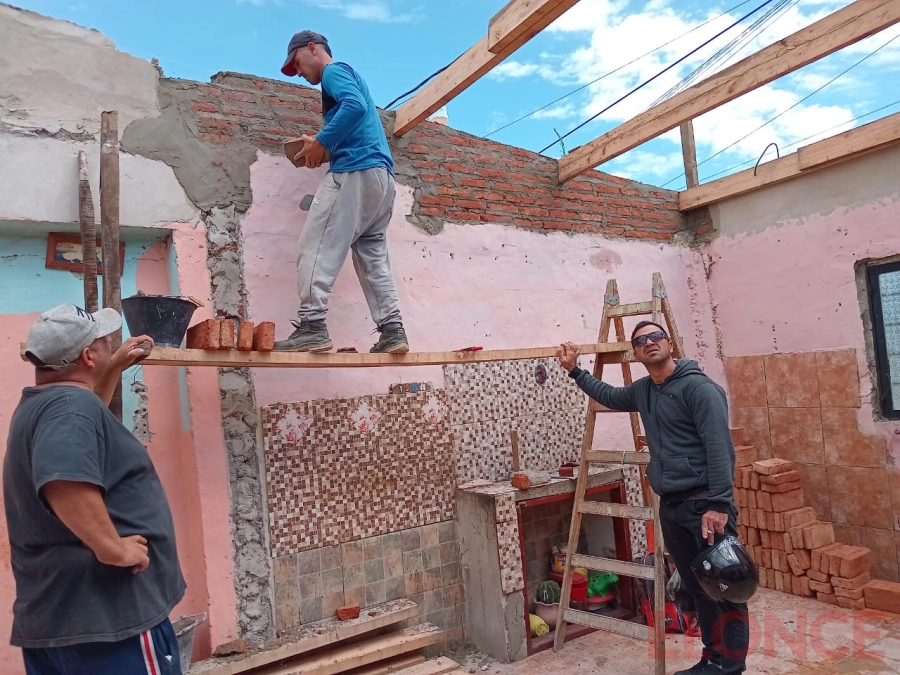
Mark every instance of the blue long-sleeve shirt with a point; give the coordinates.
(353, 131)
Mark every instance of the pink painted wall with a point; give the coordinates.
(783, 264)
(491, 285)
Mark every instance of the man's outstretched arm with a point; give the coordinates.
(615, 398)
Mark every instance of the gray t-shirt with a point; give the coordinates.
(64, 595)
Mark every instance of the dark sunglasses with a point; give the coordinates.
(655, 336)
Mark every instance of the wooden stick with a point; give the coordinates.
(514, 437)
(88, 235)
(689, 151)
(109, 224)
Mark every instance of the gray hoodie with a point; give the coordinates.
(686, 422)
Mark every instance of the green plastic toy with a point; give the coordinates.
(602, 584)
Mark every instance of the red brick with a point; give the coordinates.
(502, 206)
(787, 544)
(268, 140)
(834, 558)
(204, 335)
(769, 467)
(473, 182)
(203, 106)
(777, 522)
(226, 336)
(883, 596)
(463, 215)
(491, 173)
(794, 564)
(462, 140)
(533, 212)
(779, 581)
(450, 153)
(796, 586)
(829, 598)
(492, 196)
(238, 96)
(766, 560)
(453, 192)
(818, 575)
(801, 516)
(851, 593)
(437, 201)
(437, 178)
(643, 234)
(856, 562)
(494, 218)
(818, 534)
(426, 164)
(738, 454)
(805, 590)
(528, 178)
(230, 648)
(804, 558)
(764, 501)
(751, 499)
(218, 124)
(302, 120)
(469, 204)
(418, 148)
(245, 336)
(753, 537)
(296, 90)
(347, 613)
(851, 584)
(264, 337)
(820, 587)
(215, 138)
(274, 131)
(850, 603)
(580, 185)
(783, 487)
(431, 211)
(557, 225)
(631, 192)
(779, 478)
(779, 561)
(817, 557)
(491, 159)
(571, 215)
(521, 222)
(235, 111)
(787, 501)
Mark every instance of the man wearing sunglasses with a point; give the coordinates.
(685, 417)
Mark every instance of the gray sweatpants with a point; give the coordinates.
(350, 212)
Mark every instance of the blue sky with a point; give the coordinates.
(397, 43)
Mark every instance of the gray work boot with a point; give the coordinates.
(309, 336)
(393, 340)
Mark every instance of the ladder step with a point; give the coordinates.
(614, 457)
(600, 408)
(626, 628)
(620, 567)
(633, 309)
(617, 510)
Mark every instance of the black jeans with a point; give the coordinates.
(724, 626)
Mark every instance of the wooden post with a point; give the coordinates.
(109, 224)
(88, 235)
(689, 150)
(514, 437)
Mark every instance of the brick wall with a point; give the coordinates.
(456, 177)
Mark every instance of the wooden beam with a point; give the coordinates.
(109, 226)
(848, 145)
(689, 152)
(87, 222)
(521, 20)
(480, 58)
(610, 352)
(844, 27)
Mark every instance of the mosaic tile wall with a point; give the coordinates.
(488, 400)
(343, 470)
(421, 564)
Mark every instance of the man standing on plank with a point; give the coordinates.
(352, 207)
(91, 534)
(685, 417)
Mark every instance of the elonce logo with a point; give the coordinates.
(805, 635)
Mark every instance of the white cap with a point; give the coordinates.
(57, 339)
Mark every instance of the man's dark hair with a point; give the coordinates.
(327, 49)
(644, 324)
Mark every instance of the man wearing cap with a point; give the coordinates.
(685, 417)
(91, 534)
(353, 205)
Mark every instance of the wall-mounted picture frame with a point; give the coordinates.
(64, 252)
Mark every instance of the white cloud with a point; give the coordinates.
(515, 69)
(644, 163)
(379, 11)
(559, 112)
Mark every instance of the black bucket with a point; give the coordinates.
(162, 317)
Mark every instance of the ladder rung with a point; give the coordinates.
(633, 309)
(620, 567)
(617, 510)
(607, 623)
(600, 408)
(613, 457)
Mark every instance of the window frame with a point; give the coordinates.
(879, 342)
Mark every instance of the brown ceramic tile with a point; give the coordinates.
(431, 557)
(374, 570)
(894, 482)
(330, 558)
(447, 531)
(351, 553)
(393, 564)
(410, 540)
(884, 553)
(311, 610)
(287, 604)
(859, 496)
(453, 595)
(308, 562)
(412, 561)
(814, 480)
(284, 568)
(797, 434)
(375, 593)
(310, 585)
(414, 583)
(845, 445)
(755, 425)
(332, 582)
(330, 604)
(852, 535)
(355, 596)
(354, 576)
(433, 579)
(791, 380)
(394, 589)
(430, 535)
(838, 379)
(746, 381)
(372, 548)
(451, 574)
(434, 601)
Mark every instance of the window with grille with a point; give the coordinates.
(884, 302)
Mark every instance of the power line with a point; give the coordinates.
(423, 82)
(787, 110)
(803, 140)
(660, 73)
(613, 72)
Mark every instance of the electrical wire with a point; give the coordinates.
(616, 70)
(422, 83)
(659, 74)
(787, 110)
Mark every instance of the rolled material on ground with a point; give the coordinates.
(539, 627)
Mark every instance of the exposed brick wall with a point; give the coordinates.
(456, 177)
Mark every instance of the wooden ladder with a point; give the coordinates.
(659, 310)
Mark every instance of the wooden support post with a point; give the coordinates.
(514, 438)
(88, 235)
(109, 224)
(689, 150)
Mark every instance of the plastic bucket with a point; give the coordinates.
(184, 633)
(162, 317)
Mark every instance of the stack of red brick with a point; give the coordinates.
(221, 334)
(795, 552)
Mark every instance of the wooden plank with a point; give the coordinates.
(844, 27)
(437, 666)
(827, 152)
(617, 510)
(633, 309)
(359, 654)
(399, 665)
(689, 153)
(109, 228)
(312, 636)
(521, 20)
(168, 356)
(616, 457)
(620, 567)
(86, 221)
(626, 628)
(659, 592)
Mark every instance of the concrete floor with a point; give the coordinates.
(789, 636)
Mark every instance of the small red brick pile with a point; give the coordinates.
(220, 334)
(795, 552)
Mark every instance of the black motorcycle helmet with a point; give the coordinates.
(726, 572)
